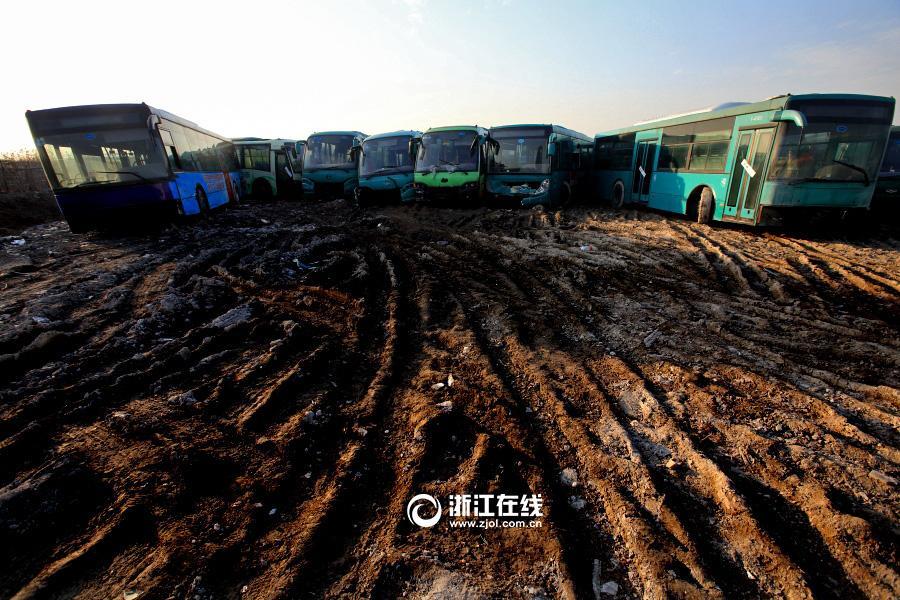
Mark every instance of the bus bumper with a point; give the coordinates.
(447, 195)
(526, 193)
(117, 205)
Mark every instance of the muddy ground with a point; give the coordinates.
(242, 408)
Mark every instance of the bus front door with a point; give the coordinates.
(284, 176)
(751, 158)
(643, 172)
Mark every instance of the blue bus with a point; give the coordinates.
(330, 165)
(110, 163)
(787, 158)
(386, 164)
(537, 164)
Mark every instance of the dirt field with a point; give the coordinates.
(244, 407)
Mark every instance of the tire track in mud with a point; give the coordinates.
(719, 487)
(727, 398)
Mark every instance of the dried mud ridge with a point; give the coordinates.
(243, 407)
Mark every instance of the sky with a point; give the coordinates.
(288, 69)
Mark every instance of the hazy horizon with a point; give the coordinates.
(290, 69)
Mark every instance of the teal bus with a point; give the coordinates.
(268, 167)
(329, 165)
(537, 164)
(386, 164)
(451, 165)
(760, 163)
(887, 190)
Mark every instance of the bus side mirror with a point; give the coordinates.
(413, 148)
(793, 116)
(551, 149)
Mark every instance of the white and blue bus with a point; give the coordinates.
(111, 164)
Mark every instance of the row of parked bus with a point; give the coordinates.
(753, 163)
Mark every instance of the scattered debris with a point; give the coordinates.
(882, 477)
(569, 477)
(233, 318)
(651, 337)
(596, 584)
(577, 502)
(438, 386)
(610, 588)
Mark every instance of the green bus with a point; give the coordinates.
(537, 164)
(760, 163)
(330, 165)
(386, 165)
(887, 190)
(451, 164)
(269, 167)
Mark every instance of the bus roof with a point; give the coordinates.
(553, 128)
(475, 128)
(774, 103)
(399, 133)
(353, 133)
(142, 106)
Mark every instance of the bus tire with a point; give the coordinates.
(77, 225)
(262, 190)
(617, 200)
(202, 201)
(706, 206)
(565, 196)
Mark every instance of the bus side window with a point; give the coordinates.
(171, 153)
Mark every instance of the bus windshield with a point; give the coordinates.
(447, 151)
(891, 163)
(521, 151)
(328, 152)
(841, 143)
(385, 155)
(105, 156)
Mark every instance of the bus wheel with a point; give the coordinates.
(565, 196)
(706, 206)
(202, 200)
(262, 190)
(617, 200)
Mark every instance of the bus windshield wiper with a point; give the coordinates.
(856, 168)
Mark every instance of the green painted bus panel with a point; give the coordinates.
(448, 183)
